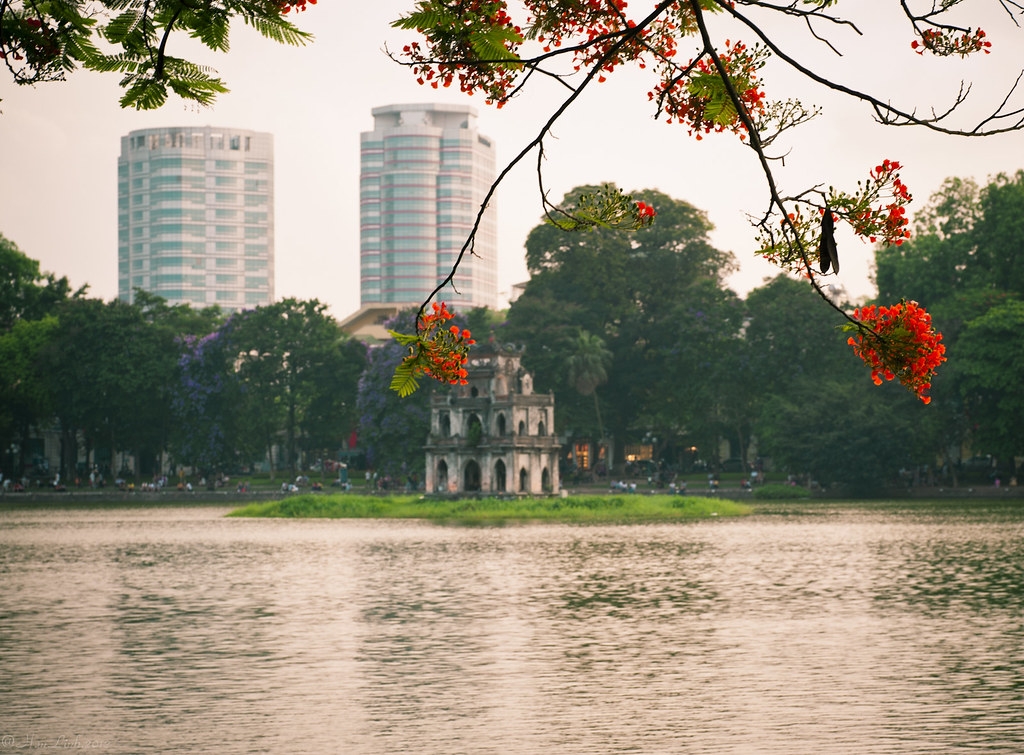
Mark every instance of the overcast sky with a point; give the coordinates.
(59, 142)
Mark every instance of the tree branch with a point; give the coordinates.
(537, 142)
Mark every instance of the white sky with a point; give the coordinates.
(59, 142)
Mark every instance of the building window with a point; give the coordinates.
(583, 455)
(442, 476)
(474, 430)
(499, 476)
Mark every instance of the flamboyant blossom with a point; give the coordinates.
(718, 90)
(287, 6)
(950, 42)
(700, 101)
(435, 350)
(876, 212)
(644, 214)
(898, 342)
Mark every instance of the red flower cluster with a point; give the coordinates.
(28, 38)
(286, 6)
(598, 25)
(700, 100)
(440, 352)
(947, 42)
(644, 214)
(459, 42)
(899, 342)
(886, 223)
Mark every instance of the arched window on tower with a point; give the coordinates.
(499, 476)
(474, 430)
(442, 476)
(471, 477)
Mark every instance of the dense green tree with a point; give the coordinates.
(966, 246)
(630, 290)
(331, 415)
(855, 442)
(106, 372)
(28, 299)
(25, 292)
(991, 368)
(962, 263)
(999, 233)
(393, 430)
(814, 412)
(284, 352)
(792, 338)
(938, 267)
(683, 369)
(155, 351)
(212, 423)
(25, 402)
(588, 369)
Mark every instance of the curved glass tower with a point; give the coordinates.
(195, 216)
(425, 170)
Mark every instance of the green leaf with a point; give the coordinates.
(279, 30)
(718, 106)
(491, 46)
(430, 17)
(212, 30)
(125, 27)
(106, 63)
(405, 339)
(404, 382)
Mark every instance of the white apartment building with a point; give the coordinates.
(195, 216)
(425, 170)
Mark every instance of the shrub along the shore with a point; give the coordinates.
(778, 492)
(574, 509)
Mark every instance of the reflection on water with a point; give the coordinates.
(175, 629)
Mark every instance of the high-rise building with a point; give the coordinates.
(425, 170)
(195, 216)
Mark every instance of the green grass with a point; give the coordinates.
(582, 509)
(778, 492)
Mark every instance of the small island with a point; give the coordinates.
(576, 509)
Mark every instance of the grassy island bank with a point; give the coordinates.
(580, 509)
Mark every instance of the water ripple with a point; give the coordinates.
(178, 630)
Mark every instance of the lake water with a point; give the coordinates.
(850, 630)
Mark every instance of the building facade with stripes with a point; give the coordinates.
(196, 216)
(424, 172)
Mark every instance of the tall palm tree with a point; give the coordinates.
(588, 368)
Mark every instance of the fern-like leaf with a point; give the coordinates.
(143, 93)
(404, 381)
(212, 30)
(123, 63)
(126, 30)
(429, 18)
(490, 47)
(279, 30)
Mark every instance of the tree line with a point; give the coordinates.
(167, 384)
(682, 361)
(636, 334)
